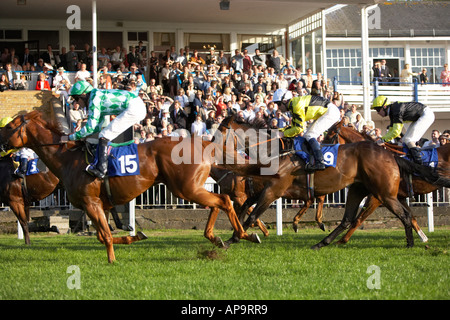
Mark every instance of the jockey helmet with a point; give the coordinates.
(380, 102)
(4, 121)
(80, 87)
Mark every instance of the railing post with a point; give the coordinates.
(375, 88)
(416, 88)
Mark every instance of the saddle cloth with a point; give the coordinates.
(123, 159)
(330, 152)
(429, 156)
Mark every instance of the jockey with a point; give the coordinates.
(421, 116)
(3, 122)
(127, 106)
(305, 108)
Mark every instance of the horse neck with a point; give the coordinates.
(350, 135)
(39, 140)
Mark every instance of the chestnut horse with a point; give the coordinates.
(19, 196)
(68, 163)
(419, 187)
(364, 167)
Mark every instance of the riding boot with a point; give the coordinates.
(102, 162)
(319, 163)
(21, 171)
(416, 155)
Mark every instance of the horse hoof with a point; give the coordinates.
(295, 227)
(127, 228)
(316, 246)
(218, 242)
(322, 226)
(141, 236)
(255, 238)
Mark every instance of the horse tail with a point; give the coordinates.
(428, 174)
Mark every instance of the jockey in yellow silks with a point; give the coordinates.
(306, 108)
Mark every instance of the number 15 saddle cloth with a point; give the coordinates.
(123, 159)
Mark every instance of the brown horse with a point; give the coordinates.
(19, 196)
(68, 163)
(419, 187)
(238, 188)
(364, 167)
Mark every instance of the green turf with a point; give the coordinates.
(174, 264)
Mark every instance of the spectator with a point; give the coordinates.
(196, 59)
(133, 57)
(22, 83)
(103, 58)
(275, 61)
(72, 59)
(406, 75)
(198, 127)
(63, 58)
(4, 83)
(15, 65)
(359, 123)
(179, 116)
(42, 84)
(61, 84)
(27, 57)
(117, 57)
(352, 113)
(258, 59)
(76, 114)
(236, 61)
(246, 62)
(443, 139)
(308, 78)
(222, 60)
(10, 75)
(385, 72)
(424, 76)
(434, 142)
(49, 56)
(83, 74)
(445, 75)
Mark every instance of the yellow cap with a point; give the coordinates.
(5, 121)
(380, 102)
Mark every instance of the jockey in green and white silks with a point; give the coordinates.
(128, 108)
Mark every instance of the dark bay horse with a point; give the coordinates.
(19, 196)
(419, 187)
(364, 167)
(68, 163)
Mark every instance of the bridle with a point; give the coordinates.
(20, 127)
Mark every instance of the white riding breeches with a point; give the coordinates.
(418, 128)
(135, 113)
(323, 123)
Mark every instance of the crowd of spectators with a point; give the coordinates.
(185, 92)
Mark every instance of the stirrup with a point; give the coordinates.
(315, 166)
(94, 172)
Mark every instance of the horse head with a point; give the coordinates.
(13, 135)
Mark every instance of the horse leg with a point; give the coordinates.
(209, 234)
(403, 213)
(356, 194)
(98, 217)
(300, 214)
(237, 204)
(414, 223)
(371, 204)
(21, 213)
(319, 212)
(222, 201)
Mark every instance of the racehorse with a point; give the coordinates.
(19, 195)
(419, 187)
(364, 167)
(67, 161)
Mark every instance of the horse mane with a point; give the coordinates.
(50, 124)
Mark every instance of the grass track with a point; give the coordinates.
(170, 265)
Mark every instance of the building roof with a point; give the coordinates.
(267, 12)
(395, 19)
